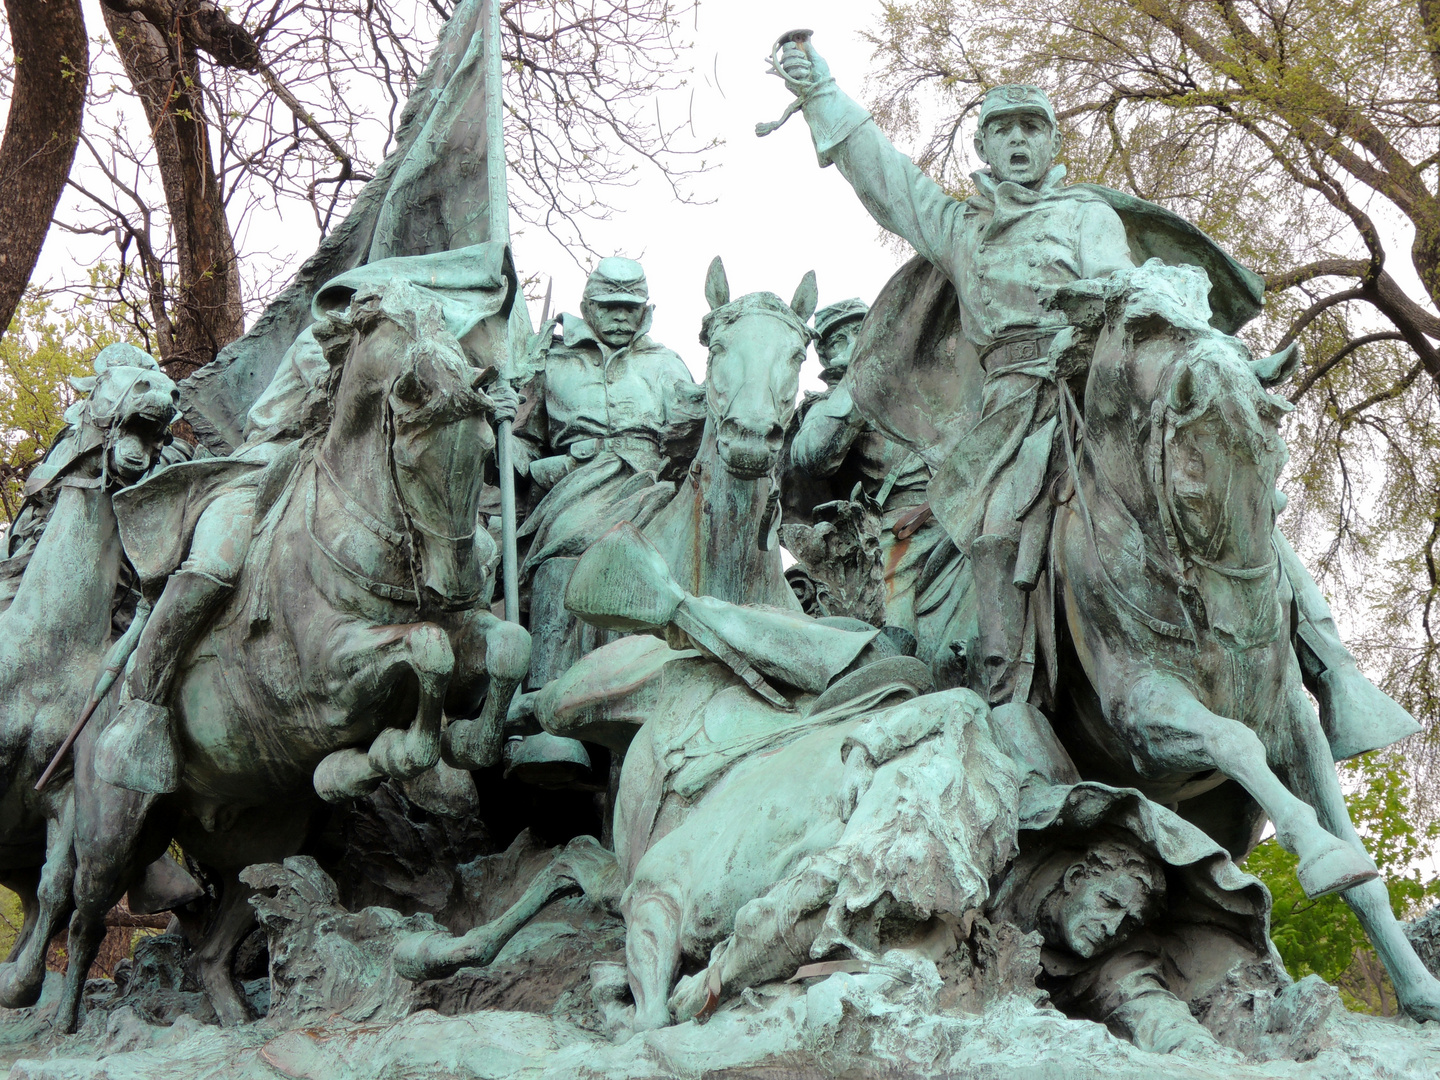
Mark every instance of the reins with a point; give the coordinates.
(404, 541)
(1163, 427)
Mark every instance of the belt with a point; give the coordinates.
(1011, 352)
(585, 449)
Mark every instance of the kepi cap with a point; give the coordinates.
(832, 317)
(1015, 98)
(617, 280)
(836, 315)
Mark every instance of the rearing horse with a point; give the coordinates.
(360, 602)
(1174, 601)
(54, 638)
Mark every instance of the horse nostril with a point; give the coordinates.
(775, 438)
(730, 430)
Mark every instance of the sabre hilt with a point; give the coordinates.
(797, 37)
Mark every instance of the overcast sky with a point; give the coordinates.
(775, 214)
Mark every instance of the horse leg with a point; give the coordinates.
(1171, 732)
(654, 918)
(22, 978)
(216, 954)
(109, 822)
(367, 665)
(476, 744)
(24, 884)
(773, 935)
(583, 867)
(1312, 776)
(433, 955)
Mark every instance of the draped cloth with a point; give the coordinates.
(430, 195)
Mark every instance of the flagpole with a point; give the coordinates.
(500, 230)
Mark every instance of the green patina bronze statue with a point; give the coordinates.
(1023, 777)
(1046, 281)
(835, 441)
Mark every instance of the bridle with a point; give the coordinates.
(403, 539)
(1165, 421)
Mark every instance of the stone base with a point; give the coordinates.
(842, 1027)
(551, 1007)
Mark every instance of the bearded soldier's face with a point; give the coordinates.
(1019, 147)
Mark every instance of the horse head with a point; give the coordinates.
(128, 408)
(752, 375)
(437, 452)
(1185, 406)
(410, 397)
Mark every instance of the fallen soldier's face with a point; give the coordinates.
(1100, 910)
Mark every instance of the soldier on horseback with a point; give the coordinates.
(1004, 250)
(835, 441)
(606, 413)
(194, 564)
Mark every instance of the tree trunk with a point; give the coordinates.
(204, 309)
(52, 62)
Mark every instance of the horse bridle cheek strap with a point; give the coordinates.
(382, 589)
(1163, 427)
(413, 526)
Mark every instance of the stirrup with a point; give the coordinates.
(138, 750)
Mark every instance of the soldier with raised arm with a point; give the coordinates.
(1005, 249)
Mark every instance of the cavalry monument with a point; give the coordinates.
(453, 699)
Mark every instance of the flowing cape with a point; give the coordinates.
(916, 377)
(429, 195)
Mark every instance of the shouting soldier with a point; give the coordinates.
(1005, 250)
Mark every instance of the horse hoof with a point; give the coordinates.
(1336, 868)
(693, 998)
(346, 774)
(444, 791)
(391, 752)
(13, 994)
(466, 745)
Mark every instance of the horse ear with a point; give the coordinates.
(806, 296)
(1277, 367)
(1182, 390)
(717, 286)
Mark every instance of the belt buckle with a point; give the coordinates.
(1025, 350)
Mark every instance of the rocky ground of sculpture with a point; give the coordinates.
(547, 1009)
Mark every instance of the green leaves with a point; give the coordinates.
(1323, 937)
(39, 353)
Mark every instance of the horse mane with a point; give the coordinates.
(756, 303)
(420, 318)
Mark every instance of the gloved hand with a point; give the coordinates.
(802, 67)
(507, 401)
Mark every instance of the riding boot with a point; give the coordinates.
(1355, 714)
(623, 583)
(557, 640)
(1001, 613)
(139, 750)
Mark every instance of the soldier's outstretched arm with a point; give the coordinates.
(901, 198)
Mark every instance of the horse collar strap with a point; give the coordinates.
(382, 589)
(355, 510)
